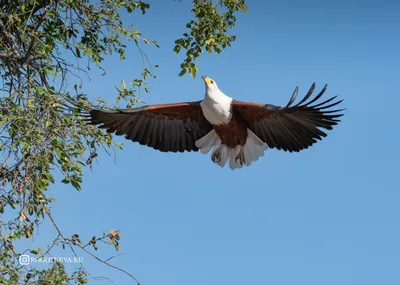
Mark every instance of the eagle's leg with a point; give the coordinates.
(240, 156)
(216, 156)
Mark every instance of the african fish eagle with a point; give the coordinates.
(238, 132)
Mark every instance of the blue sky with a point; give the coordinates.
(328, 215)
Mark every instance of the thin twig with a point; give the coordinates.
(108, 264)
(70, 243)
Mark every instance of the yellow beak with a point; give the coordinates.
(207, 80)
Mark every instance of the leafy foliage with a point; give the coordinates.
(208, 31)
(41, 127)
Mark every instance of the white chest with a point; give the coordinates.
(217, 109)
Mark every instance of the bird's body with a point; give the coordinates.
(238, 132)
(230, 135)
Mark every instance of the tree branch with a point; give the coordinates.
(40, 22)
(9, 38)
(71, 243)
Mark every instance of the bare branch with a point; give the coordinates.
(72, 243)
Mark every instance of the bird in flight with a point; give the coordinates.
(237, 132)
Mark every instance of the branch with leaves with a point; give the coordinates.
(208, 31)
(75, 241)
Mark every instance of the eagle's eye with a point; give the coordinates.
(212, 82)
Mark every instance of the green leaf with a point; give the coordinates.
(177, 48)
(183, 71)
(78, 52)
(36, 250)
(66, 179)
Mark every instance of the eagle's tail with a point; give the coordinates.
(238, 156)
(254, 148)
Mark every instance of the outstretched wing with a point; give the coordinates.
(291, 128)
(166, 127)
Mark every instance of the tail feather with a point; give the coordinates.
(224, 156)
(254, 148)
(247, 156)
(233, 161)
(206, 143)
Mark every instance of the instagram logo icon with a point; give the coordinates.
(24, 259)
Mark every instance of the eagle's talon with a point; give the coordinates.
(216, 157)
(240, 158)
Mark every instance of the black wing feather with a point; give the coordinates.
(168, 127)
(293, 127)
